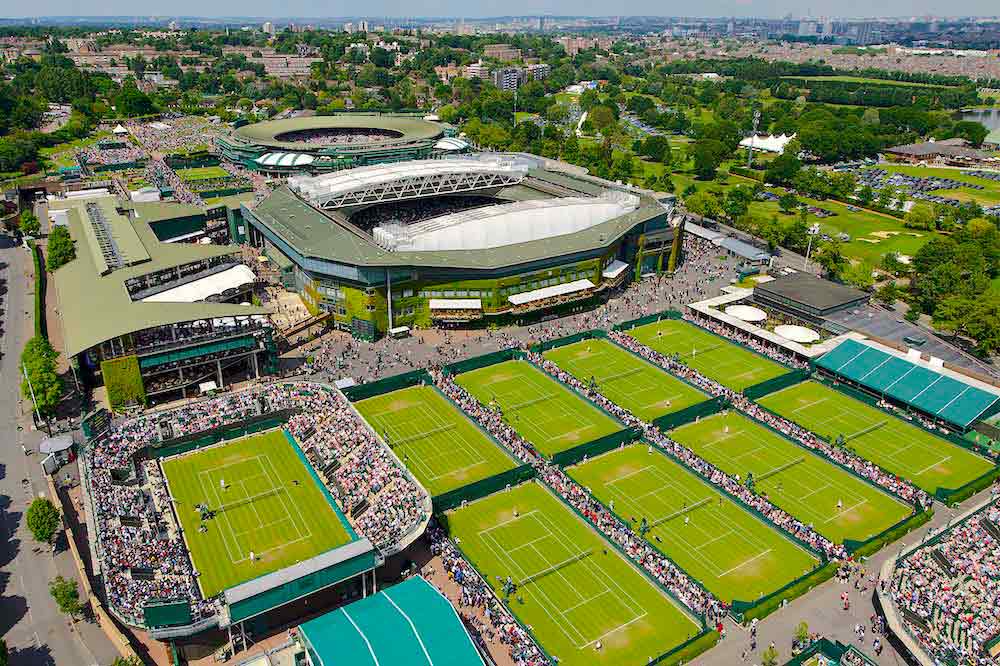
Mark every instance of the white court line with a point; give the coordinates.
(809, 404)
(744, 563)
(628, 476)
(814, 491)
(932, 465)
(616, 629)
(724, 437)
(508, 521)
(847, 510)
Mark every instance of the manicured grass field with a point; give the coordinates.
(443, 448)
(543, 411)
(202, 173)
(629, 381)
(733, 553)
(837, 504)
(712, 356)
(266, 502)
(899, 447)
(861, 79)
(573, 588)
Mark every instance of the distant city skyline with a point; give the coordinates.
(431, 9)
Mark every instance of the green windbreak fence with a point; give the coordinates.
(483, 361)
(689, 414)
(200, 440)
(648, 319)
(542, 347)
(744, 611)
(167, 614)
(956, 495)
(888, 535)
(387, 385)
(768, 386)
(596, 447)
(482, 488)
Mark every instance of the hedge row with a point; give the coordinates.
(747, 173)
(894, 534)
(41, 330)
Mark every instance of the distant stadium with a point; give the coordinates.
(319, 144)
(471, 239)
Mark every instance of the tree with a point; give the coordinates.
(887, 294)
(60, 250)
(42, 519)
(3, 652)
(129, 661)
(971, 131)
(657, 148)
(952, 314)
(921, 216)
(737, 202)
(770, 657)
(67, 596)
(785, 167)
(704, 204)
(830, 258)
(708, 155)
(29, 223)
(39, 361)
(788, 202)
(601, 117)
(984, 324)
(802, 633)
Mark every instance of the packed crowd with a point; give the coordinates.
(864, 468)
(409, 212)
(499, 624)
(139, 542)
(339, 136)
(97, 155)
(948, 592)
(175, 135)
(764, 348)
(163, 177)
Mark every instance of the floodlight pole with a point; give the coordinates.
(753, 135)
(31, 390)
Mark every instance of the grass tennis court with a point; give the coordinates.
(442, 448)
(202, 173)
(265, 501)
(836, 503)
(716, 358)
(627, 380)
(543, 411)
(900, 447)
(733, 554)
(573, 588)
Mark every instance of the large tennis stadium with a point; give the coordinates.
(318, 144)
(464, 240)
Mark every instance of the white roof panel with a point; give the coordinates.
(614, 269)
(199, 290)
(456, 304)
(549, 292)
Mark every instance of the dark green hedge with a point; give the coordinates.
(41, 330)
(686, 652)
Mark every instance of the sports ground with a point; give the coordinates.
(716, 358)
(543, 411)
(733, 553)
(573, 589)
(202, 173)
(265, 502)
(836, 503)
(627, 380)
(436, 442)
(897, 446)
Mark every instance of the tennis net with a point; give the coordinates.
(529, 403)
(619, 375)
(780, 468)
(680, 512)
(251, 498)
(704, 350)
(865, 431)
(422, 435)
(555, 567)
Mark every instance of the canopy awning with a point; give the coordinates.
(456, 304)
(55, 444)
(199, 290)
(550, 292)
(614, 269)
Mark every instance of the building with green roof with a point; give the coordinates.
(470, 240)
(152, 319)
(409, 623)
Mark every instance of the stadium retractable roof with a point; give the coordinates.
(410, 623)
(937, 392)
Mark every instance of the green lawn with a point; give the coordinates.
(266, 502)
(902, 448)
(627, 380)
(202, 173)
(732, 552)
(574, 589)
(836, 503)
(543, 411)
(716, 358)
(443, 448)
(861, 79)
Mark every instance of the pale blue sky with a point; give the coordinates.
(764, 8)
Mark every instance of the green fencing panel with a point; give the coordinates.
(223, 192)
(689, 414)
(200, 440)
(648, 319)
(167, 614)
(688, 650)
(542, 347)
(483, 361)
(744, 611)
(482, 488)
(774, 384)
(596, 447)
(387, 385)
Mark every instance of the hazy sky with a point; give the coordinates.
(476, 8)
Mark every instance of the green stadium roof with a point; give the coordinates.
(313, 233)
(410, 623)
(931, 391)
(411, 129)
(95, 308)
